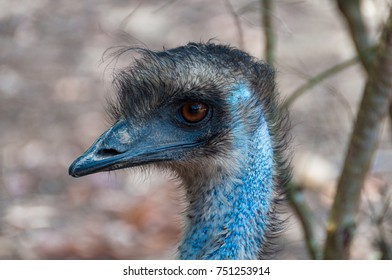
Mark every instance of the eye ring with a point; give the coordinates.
(193, 111)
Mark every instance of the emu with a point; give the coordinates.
(210, 114)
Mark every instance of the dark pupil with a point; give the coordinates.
(194, 109)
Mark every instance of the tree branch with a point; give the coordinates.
(352, 13)
(269, 36)
(374, 106)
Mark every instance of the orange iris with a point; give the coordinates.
(194, 111)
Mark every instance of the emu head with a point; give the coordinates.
(191, 109)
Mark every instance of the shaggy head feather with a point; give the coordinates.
(237, 164)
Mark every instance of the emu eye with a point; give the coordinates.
(194, 112)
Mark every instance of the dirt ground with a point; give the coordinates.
(53, 85)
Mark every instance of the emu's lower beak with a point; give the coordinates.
(121, 147)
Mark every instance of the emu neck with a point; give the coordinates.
(229, 217)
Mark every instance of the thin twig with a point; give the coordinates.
(385, 248)
(342, 101)
(237, 22)
(125, 21)
(377, 97)
(269, 36)
(165, 5)
(296, 199)
(378, 220)
(319, 78)
(390, 118)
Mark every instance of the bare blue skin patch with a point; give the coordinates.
(240, 93)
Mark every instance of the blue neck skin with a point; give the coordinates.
(229, 219)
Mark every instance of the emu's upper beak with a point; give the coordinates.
(120, 147)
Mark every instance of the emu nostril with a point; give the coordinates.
(108, 152)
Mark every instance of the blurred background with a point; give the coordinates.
(53, 85)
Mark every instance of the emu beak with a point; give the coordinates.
(121, 147)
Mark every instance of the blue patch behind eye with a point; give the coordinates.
(239, 93)
(232, 221)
